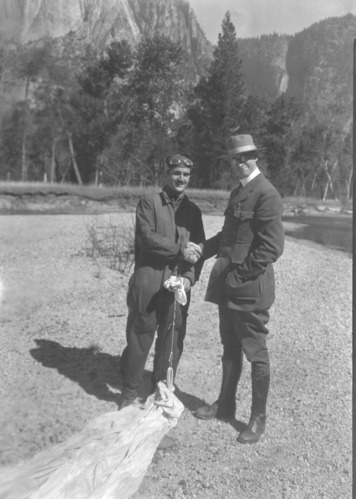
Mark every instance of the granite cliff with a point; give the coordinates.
(101, 21)
(264, 64)
(314, 66)
(319, 63)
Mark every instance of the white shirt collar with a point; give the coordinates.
(245, 181)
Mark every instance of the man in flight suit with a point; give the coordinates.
(242, 284)
(168, 232)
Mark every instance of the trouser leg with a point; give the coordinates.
(135, 354)
(169, 339)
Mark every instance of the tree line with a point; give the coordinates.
(111, 117)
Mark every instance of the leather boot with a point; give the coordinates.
(225, 406)
(207, 411)
(257, 423)
(256, 428)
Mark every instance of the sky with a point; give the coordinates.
(253, 18)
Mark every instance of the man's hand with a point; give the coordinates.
(187, 284)
(191, 252)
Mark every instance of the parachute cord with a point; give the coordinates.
(170, 372)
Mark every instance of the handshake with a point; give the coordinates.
(192, 252)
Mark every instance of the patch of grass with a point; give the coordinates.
(94, 192)
(121, 197)
(127, 197)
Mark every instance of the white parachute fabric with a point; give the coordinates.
(106, 460)
(175, 284)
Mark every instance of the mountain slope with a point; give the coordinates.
(319, 62)
(264, 64)
(101, 21)
(314, 66)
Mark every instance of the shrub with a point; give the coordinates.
(112, 242)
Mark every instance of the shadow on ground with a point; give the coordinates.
(98, 373)
(191, 402)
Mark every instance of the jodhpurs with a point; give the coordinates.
(241, 330)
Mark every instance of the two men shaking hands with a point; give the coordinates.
(192, 252)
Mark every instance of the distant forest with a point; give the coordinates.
(110, 118)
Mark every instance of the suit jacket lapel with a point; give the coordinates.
(240, 195)
(243, 192)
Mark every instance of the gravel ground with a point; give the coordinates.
(62, 329)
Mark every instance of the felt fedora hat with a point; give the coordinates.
(238, 144)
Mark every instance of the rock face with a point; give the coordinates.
(29, 20)
(264, 65)
(101, 21)
(319, 63)
(314, 66)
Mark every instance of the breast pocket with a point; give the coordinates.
(244, 232)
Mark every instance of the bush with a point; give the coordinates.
(115, 243)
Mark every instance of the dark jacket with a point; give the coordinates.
(252, 239)
(163, 227)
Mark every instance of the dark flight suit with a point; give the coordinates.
(163, 227)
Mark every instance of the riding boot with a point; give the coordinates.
(257, 423)
(225, 406)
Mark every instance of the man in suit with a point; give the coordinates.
(242, 284)
(168, 232)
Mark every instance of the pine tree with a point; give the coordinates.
(219, 100)
(155, 86)
(280, 134)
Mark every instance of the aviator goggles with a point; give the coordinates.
(172, 161)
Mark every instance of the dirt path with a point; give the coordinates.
(62, 329)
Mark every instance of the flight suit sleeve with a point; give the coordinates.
(148, 239)
(197, 236)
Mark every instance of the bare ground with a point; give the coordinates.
(63, 328)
